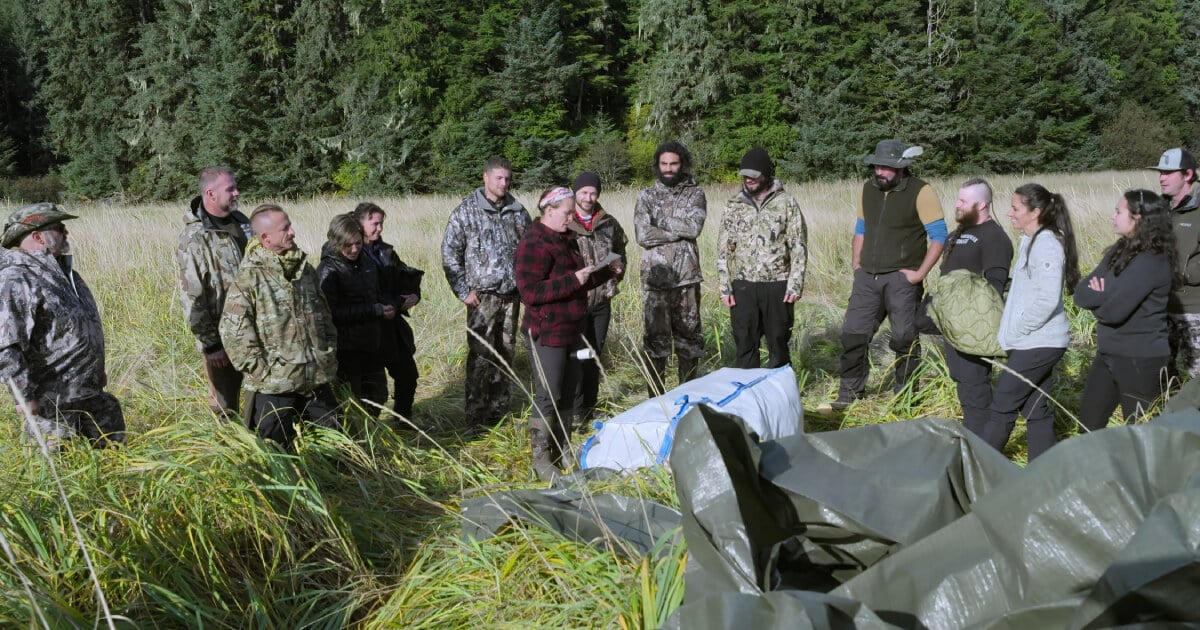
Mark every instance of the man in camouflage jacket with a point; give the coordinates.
(278, 330)
(477, 257)
(667, 220)
(762, 249)
(210, 249)
(598, 234)
(51, 340)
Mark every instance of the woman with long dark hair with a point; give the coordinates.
(1128, 294)
(1034, 328)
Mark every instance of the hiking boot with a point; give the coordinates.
(688, 369)
(658, 370)
(837, 406)
(543, 457)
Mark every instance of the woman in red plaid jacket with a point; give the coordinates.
(554, 283)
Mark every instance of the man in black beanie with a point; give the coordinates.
(762, 250)
(598, 234)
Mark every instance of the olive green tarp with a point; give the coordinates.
(910, 524)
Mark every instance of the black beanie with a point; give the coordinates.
(756, 163)
(586, 178)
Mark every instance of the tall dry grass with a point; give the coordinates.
(198, 523)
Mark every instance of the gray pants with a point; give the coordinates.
(555, 382)
(872, 297)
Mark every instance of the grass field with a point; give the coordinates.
(196, 523)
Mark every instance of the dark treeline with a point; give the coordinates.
(134, 97)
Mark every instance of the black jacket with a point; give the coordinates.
(352, 290)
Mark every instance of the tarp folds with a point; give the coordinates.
(634, 526)
(919, 524)
(812, 511)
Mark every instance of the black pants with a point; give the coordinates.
(363, 373)
(972, 376)
(404, 373)
(759, 311)
(276, 414)
(555, 381)
(596, 332)
(1014, 395)
(872, 297)
(1134, 382)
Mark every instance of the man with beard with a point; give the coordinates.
(477, 256)
(762, 251)
(51, 340)
(1177, 177)
(667, 220)
(598, 234)
(210, 250)
(897, 213)
(982, 247)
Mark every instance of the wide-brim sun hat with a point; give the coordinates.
(893, 154)
(26, 219)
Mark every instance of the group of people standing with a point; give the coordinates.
(566, 267)
(259, 310)
(267, 321)
(1140, 294)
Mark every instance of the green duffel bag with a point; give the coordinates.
(967, 310)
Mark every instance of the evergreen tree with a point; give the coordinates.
(469, 116)
(304, 131)
(686, 69)
(1187, 59)
(20, 41)
(164, 105)
(532, 88)
(399, 54)
(88, 47)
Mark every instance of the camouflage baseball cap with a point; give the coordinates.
(29, 218)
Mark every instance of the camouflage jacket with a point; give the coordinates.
(51, 341)
(667, 222)
(276, 324)
(208, 260)
(762, 244)
(595, 244)
(480, 242)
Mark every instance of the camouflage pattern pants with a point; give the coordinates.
(1184, 331)
(493, 330)
(98, 418)
(671, 317)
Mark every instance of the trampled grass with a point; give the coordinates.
(197, 523)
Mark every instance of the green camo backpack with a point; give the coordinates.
(967, 310)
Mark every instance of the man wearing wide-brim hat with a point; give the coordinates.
(51, 341)
(897, 239)
(1177, 178)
